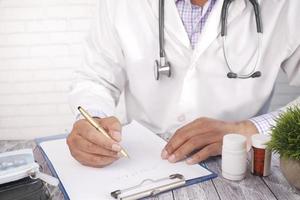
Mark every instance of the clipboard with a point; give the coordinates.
(177, 180)
(162, 178)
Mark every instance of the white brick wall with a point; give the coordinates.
(39, 46)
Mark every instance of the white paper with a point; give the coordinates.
(144, 149)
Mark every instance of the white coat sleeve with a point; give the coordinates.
(100, 81)
(291, 66)
(292, 69)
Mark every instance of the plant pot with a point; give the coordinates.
(291, 171)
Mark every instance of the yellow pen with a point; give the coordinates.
(93, 122)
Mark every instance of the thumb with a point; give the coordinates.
(113, 126)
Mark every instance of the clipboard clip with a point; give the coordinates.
(149, 188)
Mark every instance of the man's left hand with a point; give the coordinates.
(202, 139)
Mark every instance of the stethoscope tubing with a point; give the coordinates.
(162, 65)
(257, 62)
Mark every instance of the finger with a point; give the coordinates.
(200, 123)
(113, 126)
(111, 123)
(88, 147)
(210, 150)
(199, 126)
(92, 160)
(193, 125)
(80, 125)
(93, 136)
(178, 140)
(195, 143)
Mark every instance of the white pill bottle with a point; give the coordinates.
(234, 157)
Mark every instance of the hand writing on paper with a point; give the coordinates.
(91, 148)
(203, 137)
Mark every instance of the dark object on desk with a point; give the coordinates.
(24, 189)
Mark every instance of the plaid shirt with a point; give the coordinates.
(194, 18)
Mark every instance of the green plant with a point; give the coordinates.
(285, 138)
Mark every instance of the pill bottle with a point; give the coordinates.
(260, 156)
(234, 157)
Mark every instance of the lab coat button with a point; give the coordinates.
(181, 118)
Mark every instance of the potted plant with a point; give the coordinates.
(285, 140)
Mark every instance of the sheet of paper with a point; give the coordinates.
(144, 148)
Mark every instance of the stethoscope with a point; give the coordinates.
(163, 67)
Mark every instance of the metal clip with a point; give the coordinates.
(152, 187)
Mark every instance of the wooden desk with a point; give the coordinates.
(274, 187)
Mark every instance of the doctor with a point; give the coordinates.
(220, 79)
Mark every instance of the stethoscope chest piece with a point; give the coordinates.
(162, 68)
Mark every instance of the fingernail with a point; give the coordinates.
(190, 161)
(164, 154)
(116, 147)
(117, 136)
(172, 159)
(120, 155)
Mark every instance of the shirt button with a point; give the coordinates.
(181, 118)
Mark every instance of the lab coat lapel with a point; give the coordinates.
(212, 27)
(174, 27)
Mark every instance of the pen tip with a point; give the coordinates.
(79, 107)
(125, 154)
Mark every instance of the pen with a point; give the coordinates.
(88, 117)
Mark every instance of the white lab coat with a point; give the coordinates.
(123, 45)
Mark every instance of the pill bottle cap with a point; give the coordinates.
(259, 140)
(234, 142)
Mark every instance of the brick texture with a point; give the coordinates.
(40, 45)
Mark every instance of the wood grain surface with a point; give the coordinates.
(252, 187)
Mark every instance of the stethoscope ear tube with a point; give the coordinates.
(257, 15)
(224, 14)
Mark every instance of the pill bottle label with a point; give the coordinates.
(261, 162)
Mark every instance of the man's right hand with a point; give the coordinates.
(91, 148)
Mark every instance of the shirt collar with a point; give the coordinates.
(188, 1)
